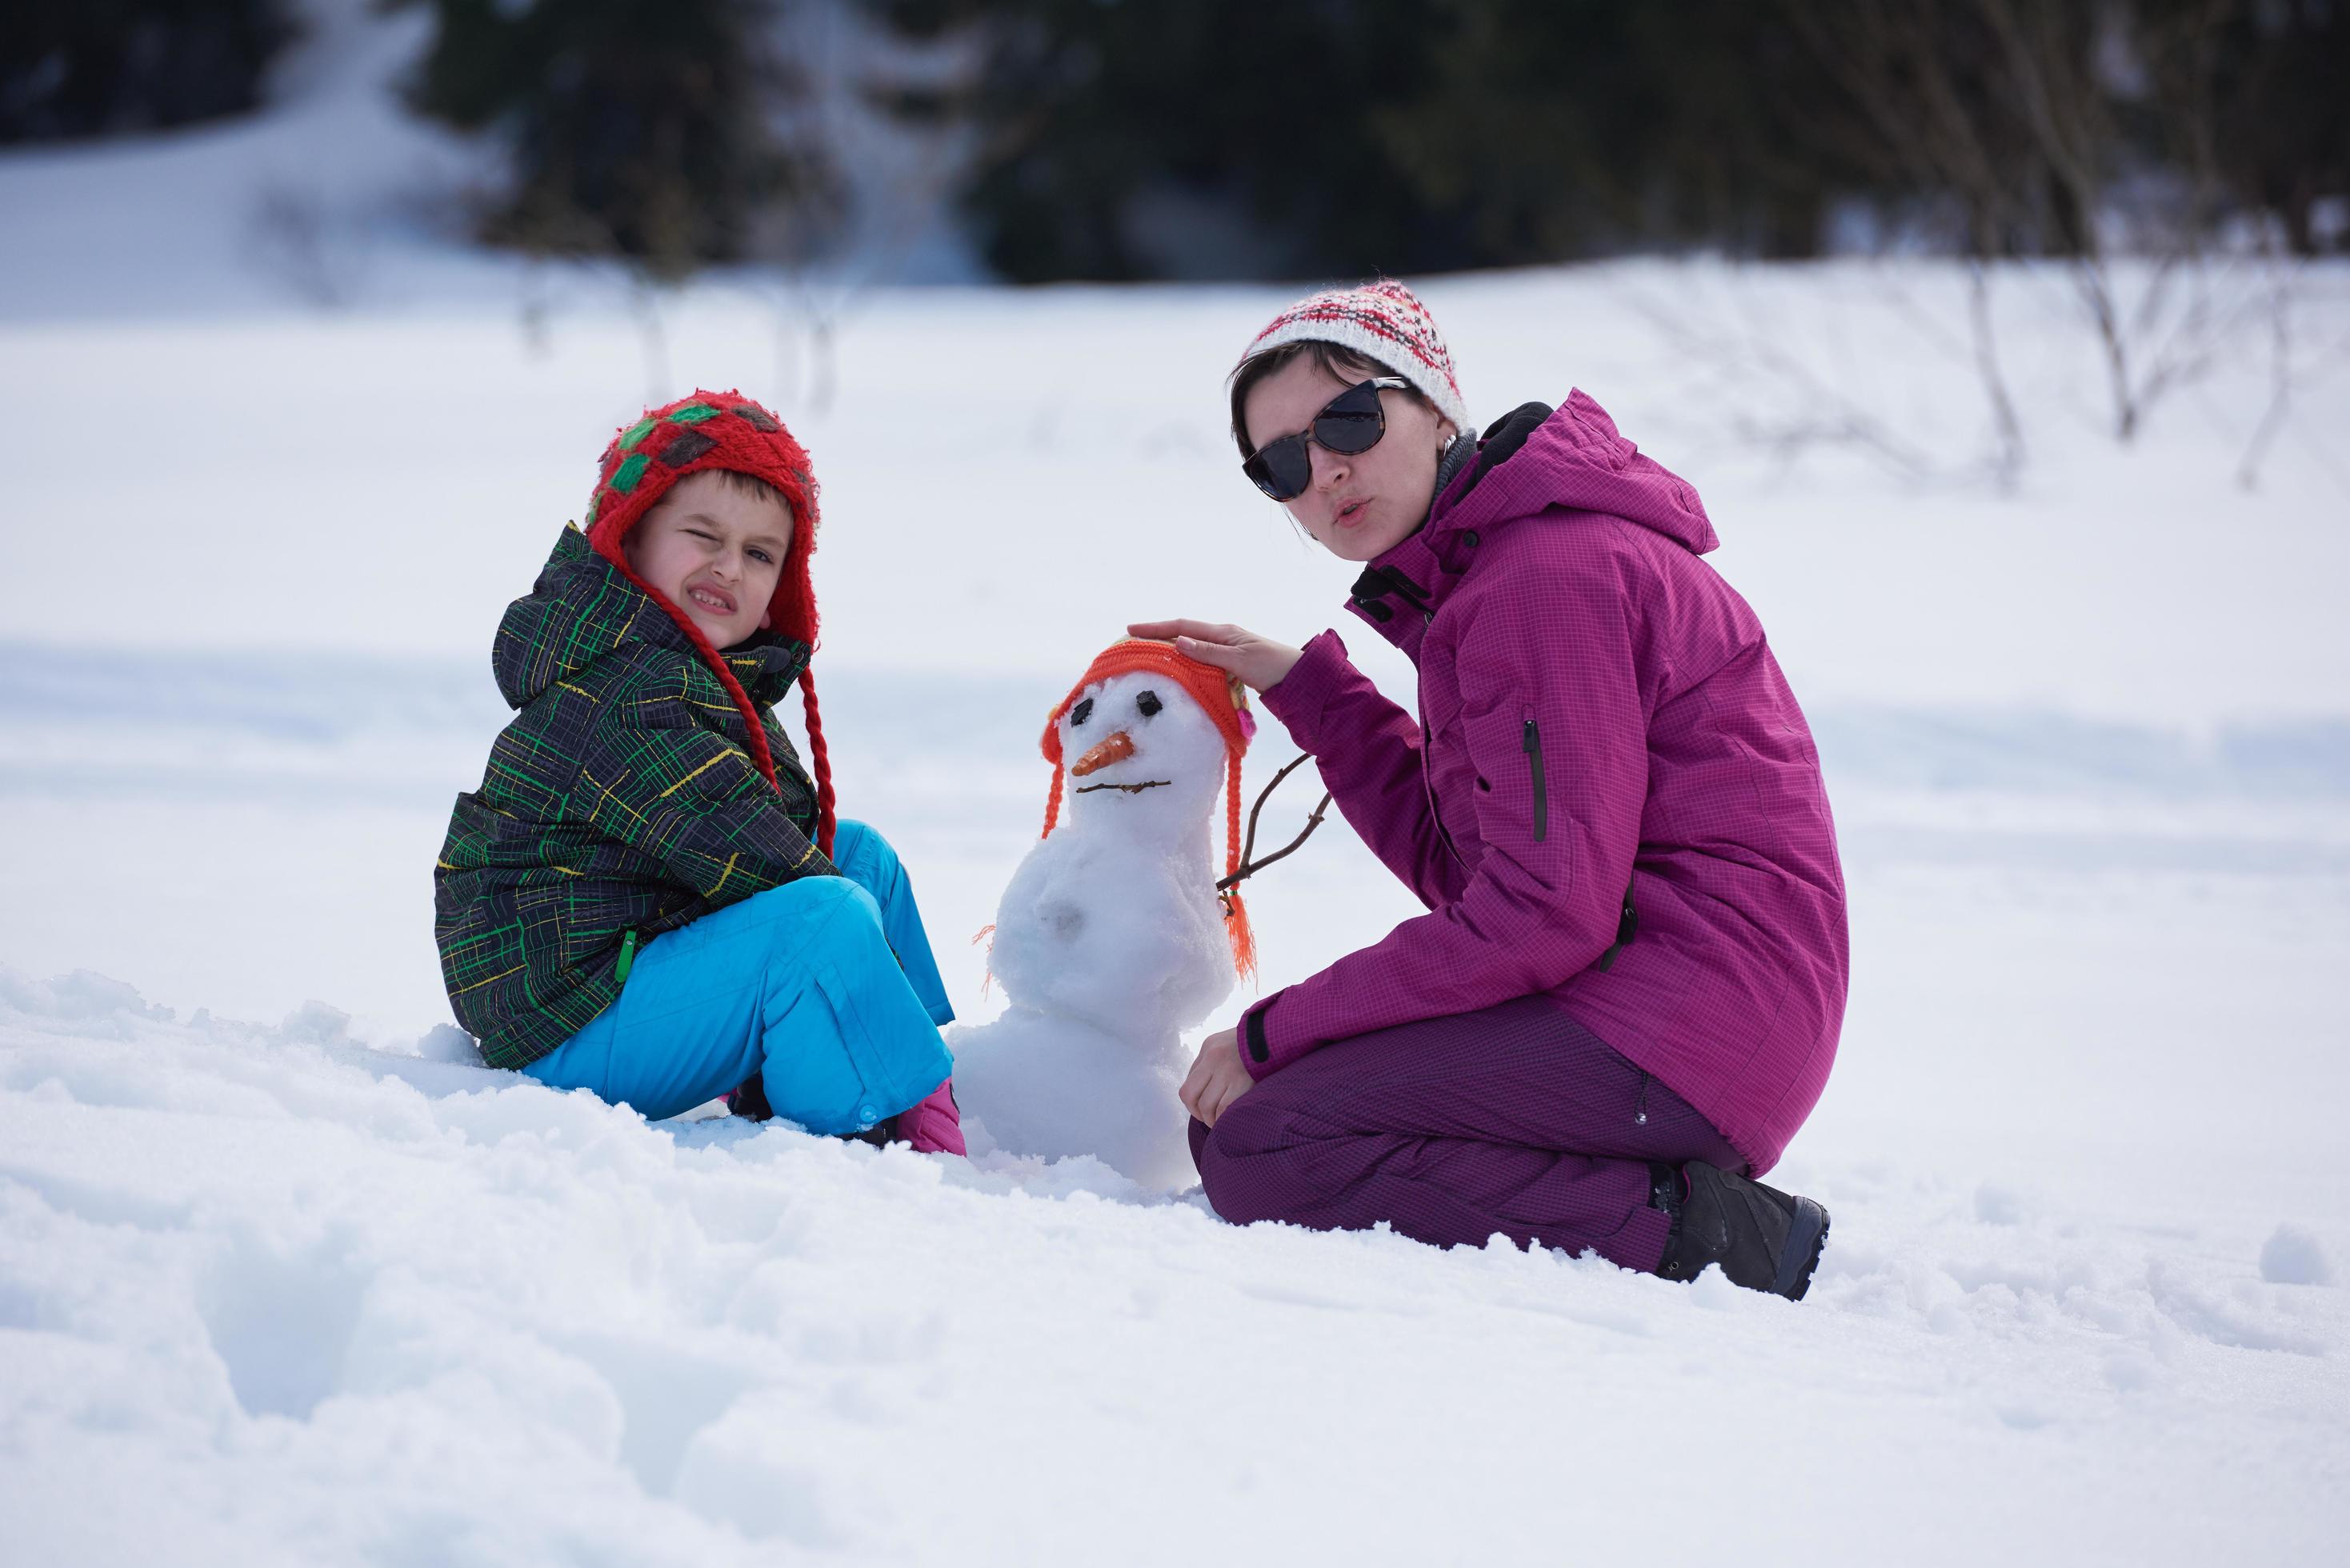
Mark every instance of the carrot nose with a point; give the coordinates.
(1117, 749)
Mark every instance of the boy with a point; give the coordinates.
(649, 897)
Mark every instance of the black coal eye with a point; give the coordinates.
(1082, 712)
(1146, 704)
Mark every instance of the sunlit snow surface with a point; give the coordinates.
(285, 1280)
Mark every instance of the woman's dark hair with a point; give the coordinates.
(1340, 362)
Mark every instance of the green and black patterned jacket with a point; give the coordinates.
(620, 799)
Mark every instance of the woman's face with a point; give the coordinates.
(1362, 506)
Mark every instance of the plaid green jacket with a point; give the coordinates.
(620, 798)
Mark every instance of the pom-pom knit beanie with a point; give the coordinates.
(1226, 700)
(1383, 319)
(722, 430)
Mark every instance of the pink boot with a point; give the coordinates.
(934, 1125)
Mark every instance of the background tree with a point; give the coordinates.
(1096, 119)
(639, 128)
(1346, 135)
(104, 68)
(1562, 129)
(2279, 117)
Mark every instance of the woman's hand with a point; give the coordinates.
(1259, 661)
(1217, 1078)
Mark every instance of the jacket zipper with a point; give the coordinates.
(1532, 743)
(1627, 926)
(1427, 786)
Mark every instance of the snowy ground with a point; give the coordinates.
(312, 1289)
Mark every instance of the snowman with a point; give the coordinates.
(1111, 938)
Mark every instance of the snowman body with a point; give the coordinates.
(1109, 943)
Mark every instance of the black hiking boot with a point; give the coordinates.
(880, 1135)
(1763, 1238)
(750, 1101)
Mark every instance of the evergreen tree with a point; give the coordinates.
(1337, 137)
(639, 128)
(104, 68)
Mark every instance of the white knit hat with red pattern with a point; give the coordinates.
(1383, 319)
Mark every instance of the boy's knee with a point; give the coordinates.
(829, 901)
(860, 844)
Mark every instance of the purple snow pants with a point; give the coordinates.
(1516, 1119)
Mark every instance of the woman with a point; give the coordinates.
(1625, 995)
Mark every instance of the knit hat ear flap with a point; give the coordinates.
(722, 431)
(1236, 920)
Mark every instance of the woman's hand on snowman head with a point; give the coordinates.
(1216, 1078)
(1259, 662)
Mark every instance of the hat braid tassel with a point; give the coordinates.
(1236, 920)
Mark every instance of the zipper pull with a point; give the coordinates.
(1529, 742)
(627, 956)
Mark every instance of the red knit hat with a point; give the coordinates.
(1382, 319)
(1220, 696)
(722, 431)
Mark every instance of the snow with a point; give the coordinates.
(283, 1278)
(297, 1300)
(2291, 1256)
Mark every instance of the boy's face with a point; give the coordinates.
(716, 549)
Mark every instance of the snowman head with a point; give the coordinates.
(1141, 757)
(1139, 745)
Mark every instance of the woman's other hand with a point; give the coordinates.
(1259, 661)
(1216, 1078)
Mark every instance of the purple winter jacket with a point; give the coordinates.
(1602, 730)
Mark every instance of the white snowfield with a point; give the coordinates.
(325, 1290)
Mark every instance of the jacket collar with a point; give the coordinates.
(1397, 594)
(766, 666)
(582, 607)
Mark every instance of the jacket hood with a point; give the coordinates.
(582, 609)
(1576, 459)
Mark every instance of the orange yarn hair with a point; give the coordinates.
(1226, 700)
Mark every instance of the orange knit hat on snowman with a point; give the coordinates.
(1220, 696)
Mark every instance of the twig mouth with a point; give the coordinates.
(1128, 788)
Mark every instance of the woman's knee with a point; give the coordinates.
(1252, 1163)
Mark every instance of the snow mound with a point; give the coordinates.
(2291, 1256)
(268, 1294)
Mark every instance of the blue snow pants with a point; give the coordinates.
(826, 987)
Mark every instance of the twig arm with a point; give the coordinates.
(1251, 867)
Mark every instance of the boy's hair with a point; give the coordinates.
(749, 485)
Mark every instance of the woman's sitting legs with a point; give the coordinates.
(1515, 1119)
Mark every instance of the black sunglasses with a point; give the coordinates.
(1350, 422)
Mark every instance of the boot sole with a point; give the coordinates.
(1807, 1232)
